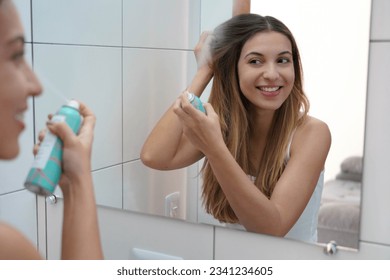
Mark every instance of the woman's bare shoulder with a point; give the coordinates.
(312, 125)
(313, 133)
(14, 245)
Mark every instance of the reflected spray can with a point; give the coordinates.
(195, 101)
(46, 169)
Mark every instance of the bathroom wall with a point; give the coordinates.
(145, 70)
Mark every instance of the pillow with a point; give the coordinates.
(349, 177)
(353, 164)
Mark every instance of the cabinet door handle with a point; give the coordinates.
(331, 248)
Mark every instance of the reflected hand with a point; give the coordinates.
(203, 52)
(203, 131)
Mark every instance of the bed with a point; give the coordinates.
(339, 213)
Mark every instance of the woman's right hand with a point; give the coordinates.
(202, 51)
(77, 149)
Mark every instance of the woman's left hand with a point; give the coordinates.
(203, 130)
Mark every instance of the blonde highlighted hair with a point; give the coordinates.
(232, 108)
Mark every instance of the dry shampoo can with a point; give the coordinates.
(46, 169)
(195, 101)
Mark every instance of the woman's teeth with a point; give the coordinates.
(269, 89)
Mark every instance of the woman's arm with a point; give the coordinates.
(292, 192)
(15, 246)
(166, 148)
(255, 211)
(80, 233)
(241, 7)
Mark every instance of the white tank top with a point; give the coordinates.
(305, 228)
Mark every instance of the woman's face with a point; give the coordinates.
(266, 70)
(17, 81)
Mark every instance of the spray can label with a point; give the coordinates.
(47, 146)
(196, 102)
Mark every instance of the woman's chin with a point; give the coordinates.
(10, 152)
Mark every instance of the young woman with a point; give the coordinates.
(80, 236)
(264, 155)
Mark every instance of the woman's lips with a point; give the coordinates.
(270, 91)
(20, 120)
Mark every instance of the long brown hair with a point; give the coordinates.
(232, 108)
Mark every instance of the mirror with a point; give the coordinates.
(130, 78)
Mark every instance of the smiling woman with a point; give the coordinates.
(14, 92)
(257, 138)
(18, 83)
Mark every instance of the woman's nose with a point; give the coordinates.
(35, 86)
(271, 72)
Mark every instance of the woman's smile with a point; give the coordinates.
(269, 91)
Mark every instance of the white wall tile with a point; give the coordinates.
(19, 210)
(214, 12)
(54, 219)
(375, 226)
(93, 22)
(14, 172)
(380, 22)
(148, 91)
(24, 9)
(108, 186)
(93, 76)
(161, 24)
(145, 189)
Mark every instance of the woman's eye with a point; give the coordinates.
(254, 61)
(18, 56)
(283, 60)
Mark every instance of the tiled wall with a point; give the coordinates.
(129, 83)
(111, 55)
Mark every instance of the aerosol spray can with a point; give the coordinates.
(46, 169)
(195, 101)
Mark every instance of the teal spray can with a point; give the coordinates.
(196, 102)
(46, 169)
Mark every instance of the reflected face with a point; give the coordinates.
(266, 70)
(17, 81)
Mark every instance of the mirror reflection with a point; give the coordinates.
(337, 213)
(146, 72)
